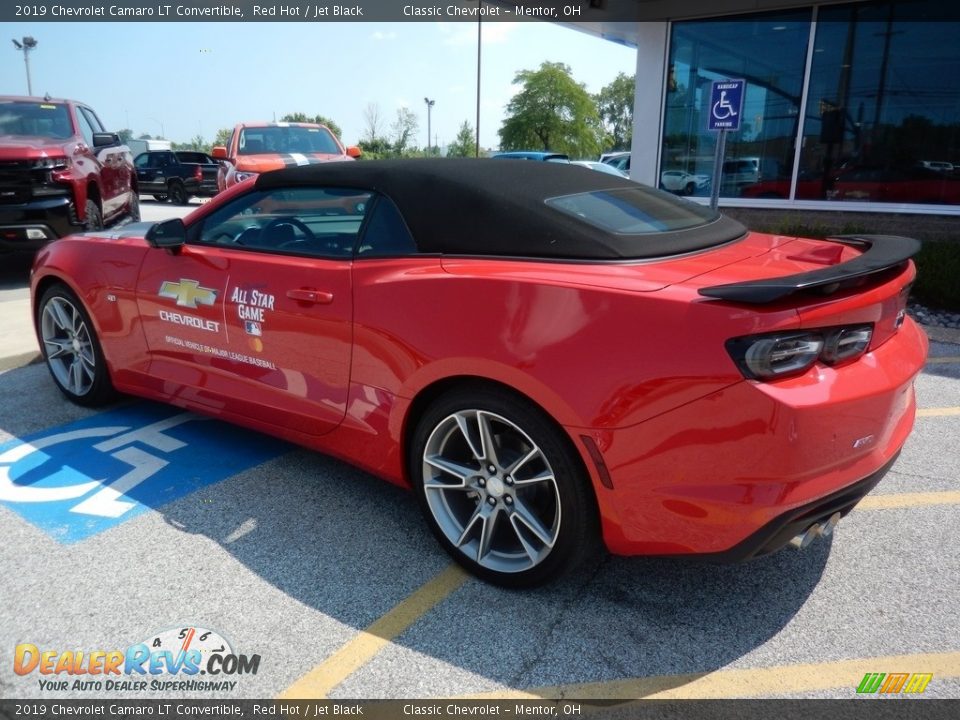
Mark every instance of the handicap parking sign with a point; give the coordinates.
(77, 480)
(726, 104)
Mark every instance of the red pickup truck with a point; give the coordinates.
(60, 172)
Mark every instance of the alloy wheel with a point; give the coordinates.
(491, 490)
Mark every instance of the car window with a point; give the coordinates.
(193, 157)
(386, 233)
(35, 119)
(633, 211)
(92, 118)
(86, 129)
(286, 139)
(142, 160)
(319, 222)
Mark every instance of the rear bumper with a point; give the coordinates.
(732, 474)
(778, 532)
(54, 217)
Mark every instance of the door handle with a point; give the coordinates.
(318, 297)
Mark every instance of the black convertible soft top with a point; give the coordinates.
(485, 207)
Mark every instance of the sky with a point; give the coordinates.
(184, 79)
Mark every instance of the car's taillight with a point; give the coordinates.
(198, 173)
(782, 354)
(846, 343)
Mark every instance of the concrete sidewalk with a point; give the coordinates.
(18, 342)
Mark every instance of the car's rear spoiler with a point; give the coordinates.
(883, 253)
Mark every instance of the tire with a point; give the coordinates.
(160, 198)
(691, 188)
(93, 221)
(134, 207)
(178, 193)
(71, 349)
(518, 517)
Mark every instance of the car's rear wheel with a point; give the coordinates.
(160, 198)
(71, 349)
(502, 488)
(178, 193)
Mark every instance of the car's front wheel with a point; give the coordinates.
(502, 489)
(71, 349)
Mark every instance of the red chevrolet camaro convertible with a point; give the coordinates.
(549, 357)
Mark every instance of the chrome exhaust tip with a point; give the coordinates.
(802, 540)
(821, 529)
(827, 526)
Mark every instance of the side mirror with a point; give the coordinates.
(219, 152)
(167, 234)
(354, 152)
(105, 139)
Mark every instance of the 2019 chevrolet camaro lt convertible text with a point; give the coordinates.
(549, 357)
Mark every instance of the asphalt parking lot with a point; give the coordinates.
(332, 578)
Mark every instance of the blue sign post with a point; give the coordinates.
(726, 108)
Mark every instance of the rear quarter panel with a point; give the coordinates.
(592, 357)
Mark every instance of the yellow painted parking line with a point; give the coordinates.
(907, 500)
(938, 412)
(318, 683)
(943, 360)
(778, 680)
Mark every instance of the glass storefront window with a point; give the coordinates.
(769, 51)
(882, 121)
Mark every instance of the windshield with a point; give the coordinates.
(33, 119)
(291, 139)
(633, 211)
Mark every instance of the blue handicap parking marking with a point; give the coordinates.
(76, 480)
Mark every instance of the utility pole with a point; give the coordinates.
(26, 46)
(430, 103)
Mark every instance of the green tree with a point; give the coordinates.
(552, 112)
(222, 137)
(465, 144)
(126, 135)
(318, 119)
(615, 103)
(404, 128)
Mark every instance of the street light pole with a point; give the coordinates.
(26, 46)
(430, 103)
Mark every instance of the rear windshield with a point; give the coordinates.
(634, 211)
(259, 140)
(33, 119)
(193, 157)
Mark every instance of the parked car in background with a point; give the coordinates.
(599, 167)
(176, 175)
(548, 358)
(60, 172)
(620, 160)
(683, 183)
(538, 155)
(900, 185)
(254, 148)
(865, 183)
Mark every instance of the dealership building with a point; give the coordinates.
(849, 107)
